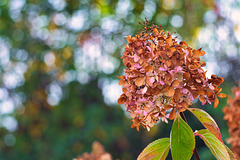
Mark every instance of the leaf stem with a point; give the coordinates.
(195, 149)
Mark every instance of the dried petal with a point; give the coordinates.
(198, 53)
(221, 95)
(167, 107)
(172, 114)
(175, 83)
(216, 102)
(171, 91)
(140, 81)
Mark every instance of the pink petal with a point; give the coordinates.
(133, 115)
(204, 102)
(162, 69)
(144, 90)
(171, 72)
(209, 102)
(211, 87)
(136, 58)
(178, 68)
(149, 48)
(237, 94)
(150, 102)
(162, 83)
(142, 99)
(136, 65)
(144, 113)
(184, 90)
(151, 80)
(140, 111)
(190, 96)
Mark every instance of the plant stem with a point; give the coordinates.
(195, 149)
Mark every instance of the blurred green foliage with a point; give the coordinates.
(59, 60)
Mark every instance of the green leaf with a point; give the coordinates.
(232, 156)
(207, 121)
(157, 150)
(182, 140)
(217, 147)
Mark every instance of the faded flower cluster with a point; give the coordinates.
(232, 115)
(163, 74)
(98, 153)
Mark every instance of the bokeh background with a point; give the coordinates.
(59, 62)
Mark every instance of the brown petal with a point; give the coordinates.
(198, 80)
(218, 90)
(122, 82)
(167, 107)
(171, 91)
(177, 95)
(169, 54)
(155, 31)
(139, 81)
(201, 98)
(169, 41)
(201, 92)
(124, 90)
(172, 114)
(148, 81)
(186, 76)
(175, 83)
(216, 102)
(149, 68)
(180, 108)
(198, 53)
(221, 95)
(184, 104)
(168, 63)
(122, 99)
(152, 47)
(128, 38)
(184, 44)
(203, 64)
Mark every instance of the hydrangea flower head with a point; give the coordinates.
(232, 115)
(163, 74)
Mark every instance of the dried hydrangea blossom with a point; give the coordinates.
(98, 153)
(232, 115)
(163, 74)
